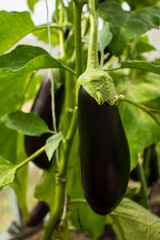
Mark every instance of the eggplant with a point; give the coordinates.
(104, 157)
(42, 107)
(37, 214)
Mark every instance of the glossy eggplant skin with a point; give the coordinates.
(42, 107)
(104, 157)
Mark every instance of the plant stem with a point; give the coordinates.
(76, 200)
(77, 37)
(143, 182)
(61, 34)
(60, 184)
(65, 147)
(44, 26)
(92, 62)
(69, 100)
(139, 105)
(112, 69)
(34, 155)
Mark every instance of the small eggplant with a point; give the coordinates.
(37, 214)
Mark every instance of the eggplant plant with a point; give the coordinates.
(94, 117)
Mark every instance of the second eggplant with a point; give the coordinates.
(42, 107)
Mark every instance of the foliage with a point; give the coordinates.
(122, 44)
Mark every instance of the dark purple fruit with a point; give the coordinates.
(42, 107)
(37, 214)
(104, 157)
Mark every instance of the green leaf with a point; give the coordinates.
(12, 88)
(42, 35)
(140, 128)
(136, 4)
(25, 123)
(7, 172)
(42, 191)
(127, 26)
(28, 58)
(144, 224)
(31, 4)
(153, 108)
(84, 219)
(52, 144)
(8, 143)
(13, 27)
(142, 47)
(153, 103)
(153, 67)
(17, 68)
(89, 219)
(104, 36)
(32, 89)
(13, 150)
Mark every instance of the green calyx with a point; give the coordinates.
(99, 85)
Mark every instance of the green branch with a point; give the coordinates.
(77, 37)
(33, 156)
(65, 147)
(61, 34)
(44, 26)
(77, 200)
(92, 62)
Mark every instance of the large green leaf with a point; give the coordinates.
(12, 88)
(136, 4)
(16, 69)
(131, 221)
(25, 123)
(13, 27)
(8, 143)
(13, 150)
(127, 26)
(140, 128)
(151, 107)
(28, 58)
